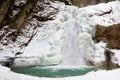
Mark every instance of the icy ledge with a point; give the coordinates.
(7, 74)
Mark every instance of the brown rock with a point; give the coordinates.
(110, 35)
(83, 3)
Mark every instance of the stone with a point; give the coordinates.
(109, 35)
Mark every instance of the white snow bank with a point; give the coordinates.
(6, 74)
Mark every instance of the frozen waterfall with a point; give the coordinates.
(77, 42)
(70, 48)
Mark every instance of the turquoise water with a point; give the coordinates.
(54, 72)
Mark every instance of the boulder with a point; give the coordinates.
(109, 35)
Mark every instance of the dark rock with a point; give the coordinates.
(83, 3)
(18, 53)
(108, 64)
(8, 61)
(67, 2)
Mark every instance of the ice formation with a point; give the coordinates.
(68, 38)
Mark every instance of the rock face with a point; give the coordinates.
(83, 3)
(22, 21)
(110, 35)
(4, 9)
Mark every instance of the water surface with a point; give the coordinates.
(54, 72)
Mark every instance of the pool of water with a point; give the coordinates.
(54, 72)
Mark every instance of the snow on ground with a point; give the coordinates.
(7, 74)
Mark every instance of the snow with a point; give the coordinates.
(99, 57)
(20, 2)
(110, 18)
(116, 58)
(43, 47)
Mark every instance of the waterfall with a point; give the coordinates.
(77, 44)
(70, 49)
(66, 40)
